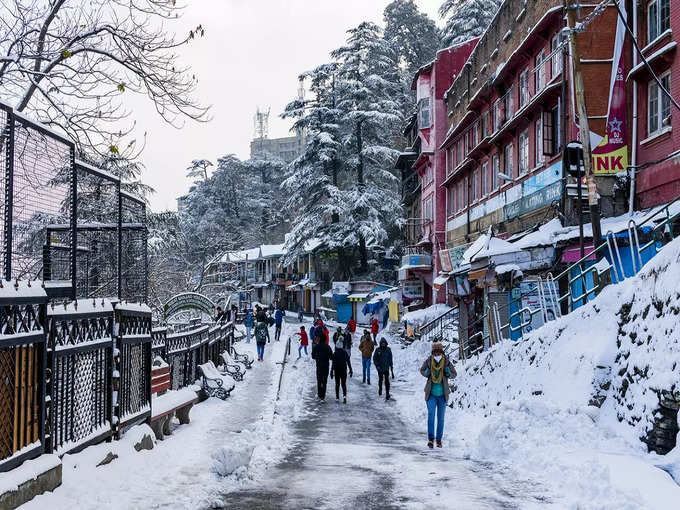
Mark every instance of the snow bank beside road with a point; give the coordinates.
(532, 405)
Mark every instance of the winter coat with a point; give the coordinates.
(338, 336)
(382, 359)
(278, 316)
(352, 325)
(323, 355)
(340, 362)
(425, 372)
(348, 339)
(303, 337)
(248, 321)
(312, 333)
(261, 333)
(366, 347)
(374, 327)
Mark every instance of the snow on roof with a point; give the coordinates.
(312, 245)
(508, 268)
(541, 237)
(272, 250)
(495, 246)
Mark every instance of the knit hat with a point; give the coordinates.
(437, 347)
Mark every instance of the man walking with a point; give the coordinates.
(382, 359)
(278, 321)
(322, 354)
(366, 347)
(261, 338)
(248, 323)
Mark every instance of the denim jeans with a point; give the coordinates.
(247, 334)
(260, 350)
(366, 365)
(300, 350)
(437, 404)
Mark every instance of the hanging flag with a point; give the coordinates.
(611, 155)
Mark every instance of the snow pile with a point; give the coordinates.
(426, 315)
(233, 457)
(570, 403)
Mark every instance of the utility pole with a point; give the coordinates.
(580, 101)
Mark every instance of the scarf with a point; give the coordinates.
(437, 369)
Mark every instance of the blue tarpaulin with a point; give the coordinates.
(371, 307)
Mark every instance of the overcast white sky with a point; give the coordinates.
(251, 55)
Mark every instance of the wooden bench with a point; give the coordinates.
(243, 358)
(231, 368)
(166, 404)
(214, 384)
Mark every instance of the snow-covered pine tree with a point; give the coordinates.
(466, 19)
(412, 34)
(313, 180)
(368, 90)
(198, 169)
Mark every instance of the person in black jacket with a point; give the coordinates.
(322, 353)
(339, 370)
(382, 359)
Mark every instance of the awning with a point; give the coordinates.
(479, 274)
(359, 296)
(260, 285)
(327, 294)
(293, 287)
(440, 280)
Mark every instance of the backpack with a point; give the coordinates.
(261, 333)
(270, 321)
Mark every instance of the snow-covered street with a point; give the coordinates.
(363, 455)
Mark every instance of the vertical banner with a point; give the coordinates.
(611, 155)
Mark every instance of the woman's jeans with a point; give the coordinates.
(300, 350)
(437, 404)
(366, 365)
(260, 350)
(247, 334)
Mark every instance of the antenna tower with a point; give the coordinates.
(262, 124)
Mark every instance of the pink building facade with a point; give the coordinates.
(430, 85)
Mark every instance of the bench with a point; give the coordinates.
(231, 368)
(166, 404)
(214, 384)
(243, 358)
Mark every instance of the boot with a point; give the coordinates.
(344, 400)
(439, 443)
(363, 381)
(430, 443)
(387, 396)
(379, 390)
(368, 382)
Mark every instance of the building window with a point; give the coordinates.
(424, 113)
(523, 87)
(427, 210)
(496, 163)
(508, 162)
(658, 18)
(449, 160)
(539, 157)
(539, 72)
(658, 105)
(475, 185)
(459, 152)
(556, 59)
(485, 124)
(523, 155)
(452, 200)
(459, 200)
(551, 131)
(485, 178)
(427, 177)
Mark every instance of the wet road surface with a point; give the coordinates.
(362, 455)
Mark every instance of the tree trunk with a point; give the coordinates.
(363, 255)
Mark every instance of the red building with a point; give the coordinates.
(656, 145)
(425, 161)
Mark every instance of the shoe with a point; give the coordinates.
(379, 391)
(387, 397)
(439, 443)
(363, 381)
(430, 443)
(344, 400)
(368, 382)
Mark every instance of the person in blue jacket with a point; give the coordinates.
(278, 321)
(248, 323)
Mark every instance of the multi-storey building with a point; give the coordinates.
(510, 115)
(287, 148)
(655, 144)
(423, 167)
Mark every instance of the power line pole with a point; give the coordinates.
(580, 101)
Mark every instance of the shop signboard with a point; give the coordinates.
(413, 288)
(532, 299)
(456, 256)
(533, 201)
(445, 259)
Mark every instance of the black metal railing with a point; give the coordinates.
(444, 327)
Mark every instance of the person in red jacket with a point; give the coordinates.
(374, 330)
(352, 325)
(304, 341)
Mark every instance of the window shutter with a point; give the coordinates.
(547, 133)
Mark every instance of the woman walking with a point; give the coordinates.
(374, 330)
(438, 369)
(339, 370)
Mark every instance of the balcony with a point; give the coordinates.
(415, 232)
